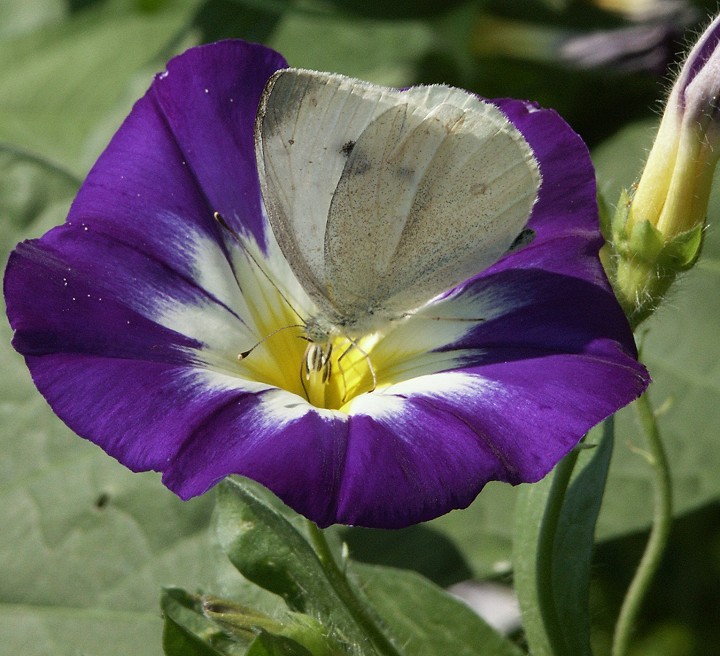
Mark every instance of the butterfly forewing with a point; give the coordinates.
(306, 125)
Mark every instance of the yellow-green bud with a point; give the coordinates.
(657, 230)
(675, 185)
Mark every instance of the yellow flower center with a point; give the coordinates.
(328, 370)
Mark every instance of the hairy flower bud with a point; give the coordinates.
(657, 230)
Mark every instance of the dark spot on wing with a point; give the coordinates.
(360, 165)
(405, 173)
(347, 148)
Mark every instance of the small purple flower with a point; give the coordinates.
(131, 317)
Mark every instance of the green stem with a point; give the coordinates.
(662, 518)
(340, 583)
(546, 550)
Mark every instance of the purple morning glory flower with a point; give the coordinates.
(134, 316)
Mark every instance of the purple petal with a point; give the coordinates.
(429, 450)
(567, 200)
(209, 100)
(698, 57)
(547, 311)
(295, 450)
(183, 154)
(95, 306)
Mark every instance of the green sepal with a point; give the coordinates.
(648, 244)
(681, 253)
(614, 230)
(267, 644)
(177, 640)
(605, 217)
(644, 243)
(237, 620)
(197, 625)
(188, 632)
(641, 264)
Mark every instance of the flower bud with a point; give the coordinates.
(657, 230)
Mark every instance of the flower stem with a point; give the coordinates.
(662, 517)
(341, 586)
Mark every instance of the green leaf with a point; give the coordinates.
(421, 548)
(418, 618)
(178, 641)
(426, 619)
(268, 550)
(20, 16)
(267, 644)
(85, 545)
(398, 9)
(59, 83)
(476, 542)
(222, 19)
(384, 52)
(554, 531)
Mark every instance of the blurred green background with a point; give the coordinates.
(85, 546)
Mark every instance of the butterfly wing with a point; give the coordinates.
(381, 199)
(306, 126)
(434, 191)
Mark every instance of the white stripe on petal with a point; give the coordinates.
(280, 406)
(411, 348)
(386, 403)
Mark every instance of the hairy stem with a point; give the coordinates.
(340, 583)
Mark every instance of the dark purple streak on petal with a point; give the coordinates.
(550, 313)
(441, 448)
(59, 304)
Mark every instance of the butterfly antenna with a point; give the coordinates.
(244, 354)
(219, 218)
(472, 319)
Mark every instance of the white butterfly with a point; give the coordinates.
(381, 199)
